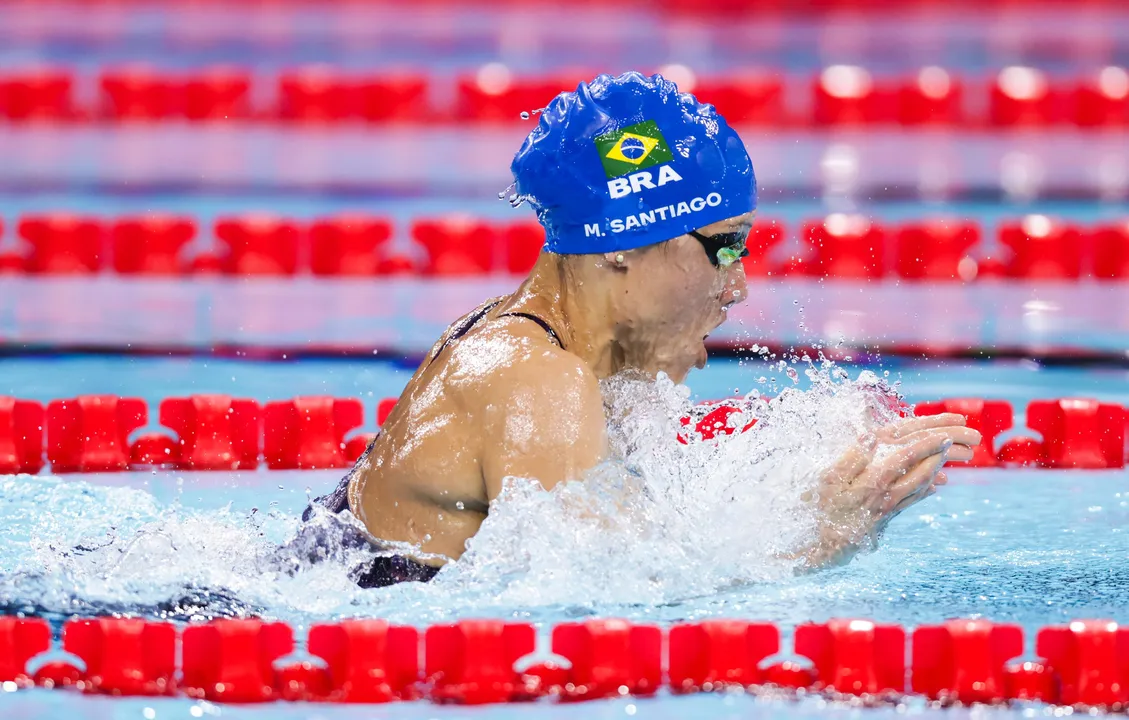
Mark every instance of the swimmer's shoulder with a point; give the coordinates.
(514, 362)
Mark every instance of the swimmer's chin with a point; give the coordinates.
(703, 357)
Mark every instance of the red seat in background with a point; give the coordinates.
(931, 97)
(1023, 96)
(393, 97)
(495, 94)
(1102, 99)
(848, 95)
(752, 98)
(523, 242)
(36, 94)
(217, 94)
(62, 244)
(317, 93)
(936, 249)
(141, 94)
(457, 245)
(1042, 248)
(349, 244)
(258, 245)
(846, 246)
(1110, 242)
(151, 244)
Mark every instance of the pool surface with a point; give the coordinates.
(1033, 547)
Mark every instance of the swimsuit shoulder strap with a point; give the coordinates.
(463, 326)
(540, 321)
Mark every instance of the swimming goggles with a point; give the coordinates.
(723, 249)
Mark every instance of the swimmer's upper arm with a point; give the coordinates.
(541, 418)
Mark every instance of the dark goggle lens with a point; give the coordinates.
(723, 249)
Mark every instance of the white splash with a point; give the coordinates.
(664, 521)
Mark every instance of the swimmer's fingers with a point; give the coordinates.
(925, 422)
(853, 462)
(909, 456)
(959, 433)
(915, 485)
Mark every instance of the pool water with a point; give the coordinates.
(1026, 546)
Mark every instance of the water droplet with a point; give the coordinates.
(525, 115)
(460, 505)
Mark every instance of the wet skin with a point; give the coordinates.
(505, 400)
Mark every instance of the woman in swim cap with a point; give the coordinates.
(647, 198)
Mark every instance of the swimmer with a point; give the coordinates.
(647, 197)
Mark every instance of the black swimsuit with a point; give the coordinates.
(392, 569)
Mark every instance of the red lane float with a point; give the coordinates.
(989, 417)
(936, 250)
(717, 654)
(1090, 658)
(20, 640)
(309, 432)
(219, 93)
(748, 98)
(472, 661)
(609, 658)
(856, 657)
(348, 245)
(931, 97)
(213, 432)
(258, 245)
(848, 95)
(369, 661)
(1084, 664)
(124, 656)
(1111, 251)
(846, 246)
(964, 660)
(21, 436)
(90, 433)
(62, 244)
(1023, 96)
(151, 244)
(494, 94)
(1043, 248)
(36, 94)
(1077, 433)
(456, 245)
(232, 660)
(140, 93)
(1102, 99)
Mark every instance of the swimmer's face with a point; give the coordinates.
(674, 296)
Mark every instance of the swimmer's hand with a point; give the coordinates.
(886, 473)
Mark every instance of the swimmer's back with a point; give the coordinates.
(479, 408)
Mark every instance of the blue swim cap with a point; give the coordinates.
(629, 161)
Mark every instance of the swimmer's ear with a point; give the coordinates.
(618, 260)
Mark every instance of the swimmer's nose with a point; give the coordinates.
(736, 287)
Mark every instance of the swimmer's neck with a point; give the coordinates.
(579, 300)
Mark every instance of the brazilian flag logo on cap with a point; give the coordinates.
(632, 148)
